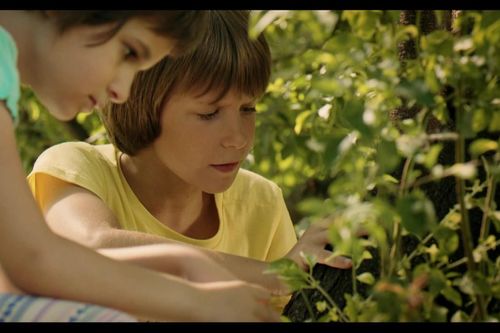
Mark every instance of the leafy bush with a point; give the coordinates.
(330, 128)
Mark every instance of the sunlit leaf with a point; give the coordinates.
(366, 278)
(480, 146)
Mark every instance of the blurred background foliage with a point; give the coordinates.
(361, 108)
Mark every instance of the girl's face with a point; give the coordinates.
(69, 76)
(203, 143)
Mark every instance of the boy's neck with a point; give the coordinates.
(174, 203)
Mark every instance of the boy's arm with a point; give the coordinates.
(42, 263)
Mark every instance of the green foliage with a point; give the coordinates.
(337, 78)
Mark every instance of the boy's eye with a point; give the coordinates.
(208, 116)
(249, 109)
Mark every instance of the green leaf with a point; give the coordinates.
(416, 91)
(459, 317)
(269, 17)
(438, 314)
(481, 146)
(417, 213)
(353, 113)
(387, 156)
(299, 121)
(390, 179)
(495, 122)
(366, 278)
(452, 295)
(290, 272)
(447, 239)
(432, 155)
(437, 281)
(474, 284)
(463, 170)
(312, 206)
(321, 306)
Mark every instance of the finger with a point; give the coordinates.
(322, 224)
(320, 238)
(336, 262)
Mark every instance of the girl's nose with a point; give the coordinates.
(119, 89)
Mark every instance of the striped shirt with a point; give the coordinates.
(25, 308)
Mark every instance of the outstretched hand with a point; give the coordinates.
(313, 242)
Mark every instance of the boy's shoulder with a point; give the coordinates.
(249, 184)
(77, 153)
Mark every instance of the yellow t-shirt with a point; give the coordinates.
(254, 220)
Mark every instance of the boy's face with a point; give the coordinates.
(203, 144)
(70, 76)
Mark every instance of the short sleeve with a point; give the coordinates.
(285, 237)
(9, 77)
(77, 163)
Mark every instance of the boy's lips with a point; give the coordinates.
(226, 167)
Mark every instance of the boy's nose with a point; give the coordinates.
(235, 138)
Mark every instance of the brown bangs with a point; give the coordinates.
(226, 59)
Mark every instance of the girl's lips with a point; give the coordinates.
(225, 167)
(93, 101)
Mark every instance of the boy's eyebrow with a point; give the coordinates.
(246, 104)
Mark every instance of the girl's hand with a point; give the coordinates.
(199, 267)
(232, 301)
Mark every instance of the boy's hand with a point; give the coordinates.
(313, 242)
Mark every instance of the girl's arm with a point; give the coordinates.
(42, 263)
(94, 224)
(80, 215)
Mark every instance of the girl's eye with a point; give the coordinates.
(250, 109)
(208, 116)
(130, 53)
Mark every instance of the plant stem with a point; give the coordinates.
(308, 305)
(490, 194)
(396, 247)
(425, 240)
(457, 263)
(332, 303)
(485, 222)
(465, 224)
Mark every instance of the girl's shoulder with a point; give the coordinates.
(9, 77)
